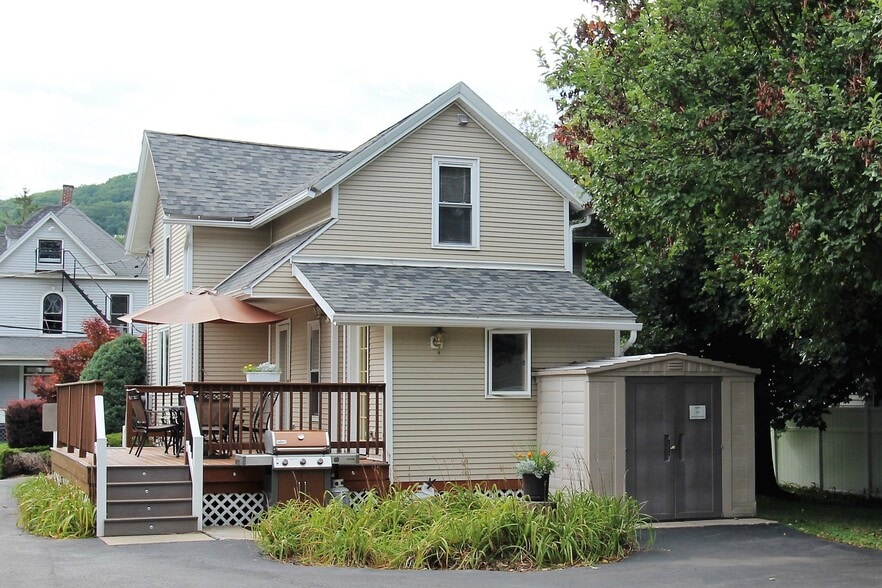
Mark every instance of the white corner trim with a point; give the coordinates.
(387, 369)
(316, 295)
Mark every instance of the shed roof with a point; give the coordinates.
(467, 296)
(674, 362)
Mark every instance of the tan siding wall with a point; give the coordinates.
(304, 216)
(386, 208)
(554, 348)
(742, 444)
(228, 347)
(444, 426)
(219, 252)
(281, 283)
(300, 343)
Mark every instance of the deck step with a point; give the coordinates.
(150, 526)
(162, 507)
(152, 473)
(148, 490)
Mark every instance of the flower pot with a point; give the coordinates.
(534, 487)
(263, 376)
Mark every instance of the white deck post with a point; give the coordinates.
(100, 466)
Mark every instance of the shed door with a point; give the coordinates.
(673, 446)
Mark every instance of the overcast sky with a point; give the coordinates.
(81, 80)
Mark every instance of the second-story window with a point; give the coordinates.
(119, 306)
(455, 218)
(49, 251)
(53, 314)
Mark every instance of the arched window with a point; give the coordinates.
(53, 314)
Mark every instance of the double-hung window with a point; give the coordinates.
(455, 198)
(508, 363)
(49, 251)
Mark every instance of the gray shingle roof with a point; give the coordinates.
(265, 261)
(461, 292)
(33, 348)
(105, 247)
(221, 179)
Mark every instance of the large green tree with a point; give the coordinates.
(747, 129)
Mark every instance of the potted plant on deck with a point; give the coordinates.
(262, 372)
(535, 467)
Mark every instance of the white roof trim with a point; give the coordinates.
(68, 234)
(138, 233)
(629, 361)
(444, 320)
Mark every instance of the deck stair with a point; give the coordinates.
(149, 500)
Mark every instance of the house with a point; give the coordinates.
(58, 269)
(433, 262)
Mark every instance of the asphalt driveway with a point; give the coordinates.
(750, 555)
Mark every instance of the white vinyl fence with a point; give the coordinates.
(846, 457)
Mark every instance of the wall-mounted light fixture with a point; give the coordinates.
(436, 339)
(462, 119)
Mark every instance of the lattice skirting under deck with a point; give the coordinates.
(239, 509)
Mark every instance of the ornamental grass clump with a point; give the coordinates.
(459, 528)
(49, 508)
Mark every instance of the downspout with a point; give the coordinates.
(632, 338)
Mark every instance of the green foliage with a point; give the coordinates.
(846, 518)
(107, 204)
(741, 136)
(114, 439)
(49, 508)
(457, 529)
(23, 460)
(119, 363)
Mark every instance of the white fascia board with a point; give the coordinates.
(319, 299)
(138, 233)
(283, 207)
(483, 322)
(420, 262)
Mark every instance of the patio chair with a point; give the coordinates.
(257, 419)
(216, 416)
(144, 424)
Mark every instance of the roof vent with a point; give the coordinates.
(676, 365)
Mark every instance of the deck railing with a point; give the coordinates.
(76, 416)
(234, 416)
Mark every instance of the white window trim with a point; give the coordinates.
(126, 328)
(488, 365)
(166, 246)
(163, 356)
(50, 260)
(64, 312)
(449, 161)
(283, 329)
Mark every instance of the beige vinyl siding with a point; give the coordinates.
(376, 361)
(303, 217)
(161, 288)
(219, 252)
(228, 347)
(553, 348)
(444, 426)
(280, 284)
(385, 210)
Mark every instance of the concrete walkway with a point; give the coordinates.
(727, 554)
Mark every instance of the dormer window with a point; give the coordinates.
(49, 251)
(455, 217)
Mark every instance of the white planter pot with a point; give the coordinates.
(263, 376)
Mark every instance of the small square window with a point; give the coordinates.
(119, 306)
(49, 251)
(508, 364)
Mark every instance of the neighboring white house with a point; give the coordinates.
(58, 268)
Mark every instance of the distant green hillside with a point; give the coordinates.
(107, 204)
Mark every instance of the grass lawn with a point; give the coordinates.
(848, 519)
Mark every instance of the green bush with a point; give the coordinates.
(114, 439)
(24, 423)
(457, 529)
(50, 508)
(120, 363)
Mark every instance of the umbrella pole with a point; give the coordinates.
(202, 352)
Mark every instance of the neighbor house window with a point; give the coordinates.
(49, 251)
(53, 314)
(508, 363)
(119, 306)
(455, 202)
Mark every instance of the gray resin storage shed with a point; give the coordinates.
(674, 431)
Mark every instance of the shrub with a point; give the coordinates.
(120, 363)
(50, 508)
(114, 439)
(456, 529)
(24, 424)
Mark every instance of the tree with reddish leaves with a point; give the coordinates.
(68, 364)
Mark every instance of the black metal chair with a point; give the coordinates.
(144, 426)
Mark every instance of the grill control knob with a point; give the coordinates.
(284, 462)
(320, 461)
(303, 461)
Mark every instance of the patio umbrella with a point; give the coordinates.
(201, 306)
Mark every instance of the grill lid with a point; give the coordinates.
(289, 442)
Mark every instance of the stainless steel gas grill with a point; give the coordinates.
(301, 465)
